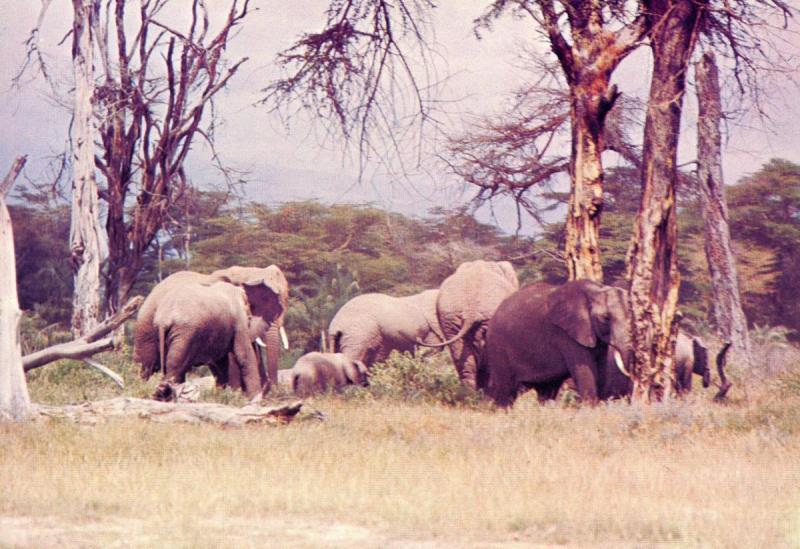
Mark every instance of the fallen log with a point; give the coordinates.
(86, 346)
(92, 413)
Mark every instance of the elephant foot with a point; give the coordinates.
(164, 392)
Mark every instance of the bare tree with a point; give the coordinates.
(154, 90)
(368, 73)
(14, 399)
(729, 317)
(652, 258)
(85, 225)
(154, 94)
(735, 28)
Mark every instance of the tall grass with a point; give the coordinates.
(393, 464)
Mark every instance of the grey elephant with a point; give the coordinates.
(539, 337)
(691, 357)
(467, 300)
(370, 326)
(266, 291)
(320, 372)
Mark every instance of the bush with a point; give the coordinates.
(428, 379)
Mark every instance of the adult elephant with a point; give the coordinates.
(370, 326)
(539, 338)
(320, 372)
(691, 357)
(467, 300)
(215, 324)
(271, 294)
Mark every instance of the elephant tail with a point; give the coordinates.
(161, 350)
(466, 327)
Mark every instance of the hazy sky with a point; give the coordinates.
(293, 164)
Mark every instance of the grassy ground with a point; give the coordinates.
(413, 461)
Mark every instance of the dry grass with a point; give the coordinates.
(382, 471)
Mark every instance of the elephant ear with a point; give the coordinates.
(264, 299)
(508, 271)
(568, 308)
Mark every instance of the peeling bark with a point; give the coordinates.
(729, 317)
(14, 399)
(652, 258)
(85, 224)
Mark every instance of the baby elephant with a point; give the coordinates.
(318, 372)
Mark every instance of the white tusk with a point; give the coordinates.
(261, 342)
(620, 363)
(284, 339)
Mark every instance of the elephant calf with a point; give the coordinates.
(691, 357)
(319, 372)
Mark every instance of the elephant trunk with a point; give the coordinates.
(701, 362)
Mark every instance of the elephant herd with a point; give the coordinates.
(503, 340)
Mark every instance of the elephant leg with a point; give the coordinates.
(247, 361)
(547, 391)
(273, 350)
(219, 368)
(583, 369)
(465, 361)
(234, 372)
(178, 351)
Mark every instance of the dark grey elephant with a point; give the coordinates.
(691, 357)
(539, 337)
(370, 326)
(266, 296)
(320, 372)
(467, 300)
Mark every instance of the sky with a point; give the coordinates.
(295, 162)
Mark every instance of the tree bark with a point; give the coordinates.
(15, 402)
(729, 317)
(85, 226)
(652, 258)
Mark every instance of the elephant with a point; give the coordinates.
(467, 300)
(318, 372)
(210, 324)
(370, 326)
(270, 295)
(538, 338)
(691, 356)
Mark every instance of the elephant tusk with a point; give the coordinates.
(620, 363)
(261, 343)
(284, 339)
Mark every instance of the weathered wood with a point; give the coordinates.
(87, 345)
(652, 258)
(14, 398)
(731, 323)
(169, 412)
(85, 223)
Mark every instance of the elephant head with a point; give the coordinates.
(595, 316)
(267, 291)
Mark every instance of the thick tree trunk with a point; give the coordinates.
(728, 314)
(652, 258)
(15, 403)
(582, 248)
(85, 228)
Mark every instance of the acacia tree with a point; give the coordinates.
(729, 318)
(590, 39)
(85, 225)
(733, 27)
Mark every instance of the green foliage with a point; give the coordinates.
(431, 380)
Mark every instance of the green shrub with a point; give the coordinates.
(429, 379)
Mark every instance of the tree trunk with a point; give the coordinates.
(582, 248)
(652, 258)
(728, 314)
(14, 400)
(85, 228)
